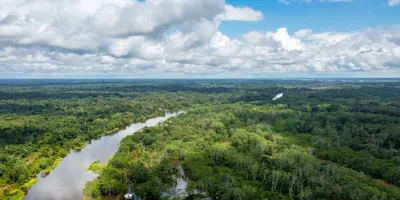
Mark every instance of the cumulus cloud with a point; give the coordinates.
(240, 14)
(287, 2)
(394, 2)
(280, 39)
(56, 23)
(128, 38)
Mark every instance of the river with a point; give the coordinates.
(68, 179)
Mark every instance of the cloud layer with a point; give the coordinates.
(287, 2)
(394, 2)
(157, 38)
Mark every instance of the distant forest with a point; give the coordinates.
(324, 139)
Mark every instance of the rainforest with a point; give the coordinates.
(322, 139)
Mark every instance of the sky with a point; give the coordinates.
(199, 38)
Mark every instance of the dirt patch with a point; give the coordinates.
(382, 182)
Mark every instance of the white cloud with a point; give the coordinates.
(280, 39)
(394, 2)
(240, 14)
(127, 38)
(288, 42)
(303, 33)
(287, 2)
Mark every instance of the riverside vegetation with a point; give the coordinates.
(322, 140)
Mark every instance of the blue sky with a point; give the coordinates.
(199, 38)
(318, 16)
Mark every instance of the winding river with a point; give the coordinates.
(67, 181)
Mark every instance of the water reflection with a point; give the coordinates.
(68, 179)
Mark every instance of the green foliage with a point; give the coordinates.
(40, 123)
(240, 159)
(322, 140)
(16, 195)
(97, 167)
(30, 183)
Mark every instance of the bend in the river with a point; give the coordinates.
(68, 179)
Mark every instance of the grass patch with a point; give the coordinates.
(97, 167)
(30, 183)
(80, 146)
(112, 132)
(16, 194)
(52, 167)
